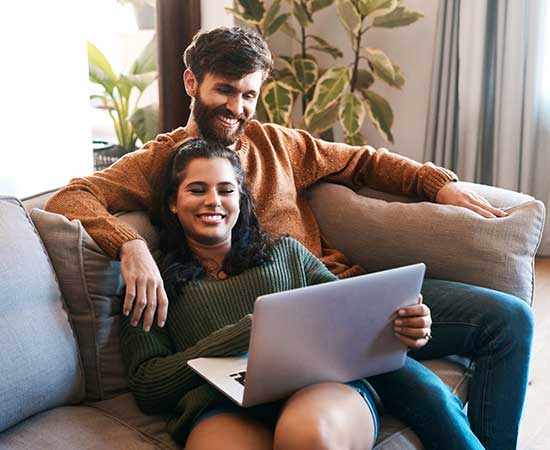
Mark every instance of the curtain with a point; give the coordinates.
(489, 114)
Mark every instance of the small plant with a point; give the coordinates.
(120, 90)
(341, 94)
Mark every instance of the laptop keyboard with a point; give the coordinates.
(239, 377)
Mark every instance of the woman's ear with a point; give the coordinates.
(190, 83)
(173, 207)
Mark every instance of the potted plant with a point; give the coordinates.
(120, 98)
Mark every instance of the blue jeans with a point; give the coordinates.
(493, 328)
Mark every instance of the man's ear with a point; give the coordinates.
(190, 83)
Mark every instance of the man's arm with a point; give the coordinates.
(315, 159)
(126, 186)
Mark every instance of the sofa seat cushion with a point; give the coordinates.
(40, 366)
(76, 427)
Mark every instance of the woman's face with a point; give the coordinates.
(207, 201)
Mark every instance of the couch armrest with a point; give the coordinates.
(380, 231)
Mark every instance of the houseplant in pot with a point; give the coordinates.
(120, 98)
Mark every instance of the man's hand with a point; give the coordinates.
(144, 286)
(457, 195)
(413, 325)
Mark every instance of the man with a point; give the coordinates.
(225, 71)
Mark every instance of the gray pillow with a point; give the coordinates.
(94, 292)
(455, 244)
(40, 367)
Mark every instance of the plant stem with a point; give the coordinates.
(357, 57)
(304, 54)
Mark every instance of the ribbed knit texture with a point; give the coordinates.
(280, 164)
(209, 317)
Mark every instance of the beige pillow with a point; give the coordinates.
(94, 291)
(455, 244)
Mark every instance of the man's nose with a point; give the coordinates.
(235, 105)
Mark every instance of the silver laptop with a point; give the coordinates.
(338, 331)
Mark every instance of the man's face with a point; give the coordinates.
(222, 107)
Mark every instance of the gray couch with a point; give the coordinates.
(62, 382)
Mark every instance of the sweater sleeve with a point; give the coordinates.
(125, 186)
(314, 159)
(158, 376)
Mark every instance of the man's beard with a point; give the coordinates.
(206, 119)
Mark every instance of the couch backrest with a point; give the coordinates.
(39, 365)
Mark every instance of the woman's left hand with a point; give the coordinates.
(412, 325)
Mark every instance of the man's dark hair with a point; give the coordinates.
(230, 52)
(250, 245)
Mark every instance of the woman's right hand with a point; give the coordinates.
(412, 325)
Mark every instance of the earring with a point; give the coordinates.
(174, 210)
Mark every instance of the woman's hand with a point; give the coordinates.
(412, 325)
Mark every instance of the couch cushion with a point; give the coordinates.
(455, 243)
(94, 290)
(40, 366)
(77, 427)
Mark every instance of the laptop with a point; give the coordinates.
(332, 332)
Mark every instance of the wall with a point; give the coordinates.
(44, 126)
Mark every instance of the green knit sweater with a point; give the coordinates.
(209, 317)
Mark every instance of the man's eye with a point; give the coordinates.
(224, 91)
(250, 96)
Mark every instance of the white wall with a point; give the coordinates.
(44, 122)
(213, 14)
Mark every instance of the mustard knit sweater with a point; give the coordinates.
(280, 165)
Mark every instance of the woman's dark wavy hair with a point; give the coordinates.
(250, 245)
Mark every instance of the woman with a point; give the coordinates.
(216, 261)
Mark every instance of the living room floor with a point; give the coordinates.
(535, 427)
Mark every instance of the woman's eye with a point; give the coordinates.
(196, 191)
(227, 191)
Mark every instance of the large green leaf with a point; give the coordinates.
(306, 72)
(329, 88)
(364, 79)
(375, 8)
(271, 14)
(381, 64)
(301, 13)
(142, 80)
(147, 60)
(399, 79)
(276, 24)
(319, 121)
(287, 29)
(399, 17)
(124, 87)
(100, 71)
(356, 139)
(380, 113)
(278, 100)
(316, 5)
(146, 122)
(349, 15)
(253, 10)
(324, 46)
(351, 113)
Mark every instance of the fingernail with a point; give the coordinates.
(134, 323)
(161, 323)
(146, 328)
(398, 322)
(397, 329)
(125, 312)
(401, 312)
